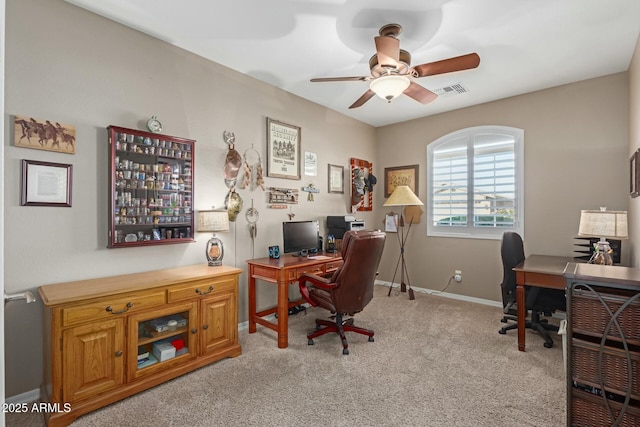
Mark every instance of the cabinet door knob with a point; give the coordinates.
(208, 291)
(124, 310)
(118, 353)
(194, 330)
(205, 326)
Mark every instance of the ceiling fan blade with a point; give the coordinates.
(364, 98)
(341, 79)
(419, 93)
(458, 63)
(388, 50)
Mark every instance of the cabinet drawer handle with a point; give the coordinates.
(124, 310)
(205, 326)
(118, 353)
(199, 292)
(194, 330)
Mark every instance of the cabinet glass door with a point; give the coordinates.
(164, 338)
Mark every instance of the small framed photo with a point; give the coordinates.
(391, 223)
(634, 178)
(400, 175)
(283, 150)
(46, 184)
(336, 179)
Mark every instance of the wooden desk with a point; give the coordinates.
(542, 271)
(283, 271)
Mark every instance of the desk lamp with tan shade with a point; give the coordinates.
(213, 221)
(403, 196)
(603, 224)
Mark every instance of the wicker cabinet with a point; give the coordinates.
(603, 363)
(112, 337)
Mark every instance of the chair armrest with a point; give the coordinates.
(320, 282)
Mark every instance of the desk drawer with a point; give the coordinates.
(312, 269)
(333, 266)
(201, 288)
(105, 308)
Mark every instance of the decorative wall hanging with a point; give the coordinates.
(361, 196)
(252, 170)
(46, 184)
(310, 163)
(336, 179)
(400, 175)
(310, 189)
(281, 197)
(232, 162)
(283, 150)
(252, 215)
(233, 203)
(44, 135)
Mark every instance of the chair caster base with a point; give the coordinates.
(310, 342)
(502, 332)
(548, 344)
(345, 351)
(371, 339)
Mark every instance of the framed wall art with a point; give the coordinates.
(634, 179)
(283, 150)
(336, 179)
(44, 135)
(400, 175)
(46, 184)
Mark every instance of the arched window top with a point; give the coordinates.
(475, 182)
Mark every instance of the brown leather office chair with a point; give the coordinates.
(349, 289)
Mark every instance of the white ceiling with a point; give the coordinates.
(524, 45)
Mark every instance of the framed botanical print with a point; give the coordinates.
(283, 150)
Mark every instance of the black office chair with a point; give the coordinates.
(539, 301)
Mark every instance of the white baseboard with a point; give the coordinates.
(26, 397)
(446, 294)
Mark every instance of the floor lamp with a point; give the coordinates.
(403, 196)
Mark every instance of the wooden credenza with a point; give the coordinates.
(603, 351)
(100, 334)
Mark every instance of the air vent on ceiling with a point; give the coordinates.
(454, 89)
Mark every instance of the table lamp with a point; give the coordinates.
(403, 196)
(603, 224)
(212, 220)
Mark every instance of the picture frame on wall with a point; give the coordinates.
(283, 150)
(634, 178)
(46, 184)
(400, 175)
(336, 179)
(42, 134)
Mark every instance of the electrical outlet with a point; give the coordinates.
(457, 276)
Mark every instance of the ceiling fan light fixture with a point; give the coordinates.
(390, 86)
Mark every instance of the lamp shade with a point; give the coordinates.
(212, 220)
(403, 196)
(603, 223)
(390, 86)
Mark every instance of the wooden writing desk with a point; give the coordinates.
(283, 271)
(542, 271)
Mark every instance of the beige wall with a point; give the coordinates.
(576, 139)
(634, 144)
(69, 65)
(74, 67)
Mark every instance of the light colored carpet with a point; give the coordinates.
(435, 362)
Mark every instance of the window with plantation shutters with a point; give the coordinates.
(475, 182)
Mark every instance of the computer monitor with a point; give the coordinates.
(300, 237)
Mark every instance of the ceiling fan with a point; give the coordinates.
(391, 70)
